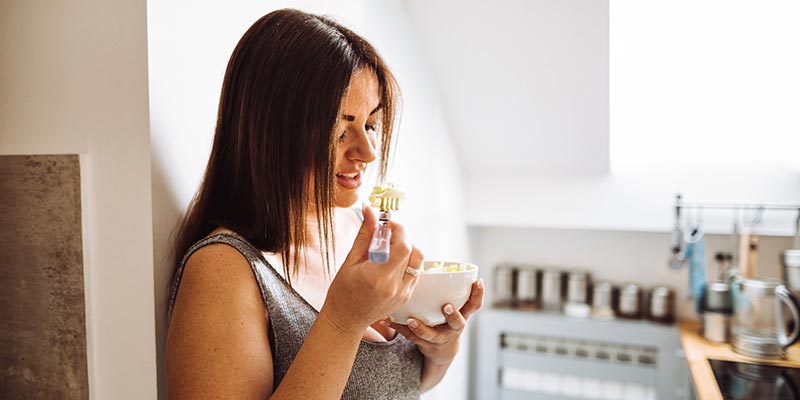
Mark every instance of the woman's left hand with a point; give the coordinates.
(439, 344)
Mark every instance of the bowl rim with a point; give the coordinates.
(427, 262)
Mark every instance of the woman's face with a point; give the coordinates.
(357, 133)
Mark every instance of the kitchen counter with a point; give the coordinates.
(698, 350)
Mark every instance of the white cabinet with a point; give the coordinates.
(522, 355)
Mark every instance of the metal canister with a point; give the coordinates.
(604, 300)
(662, 305)
(718, 297)
(527, 288)
(504, 277)
(577, 295)
(630, 301)
(717, 326)
(791, 269)
(551, 290)
(578, 287)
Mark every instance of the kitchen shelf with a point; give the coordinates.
(498, 356)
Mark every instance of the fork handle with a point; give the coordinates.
(379, 247)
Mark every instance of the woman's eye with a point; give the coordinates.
(371, 128)
(342, 137)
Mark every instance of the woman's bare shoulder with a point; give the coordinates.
(219, 320)
(219, 264)
(218, 276)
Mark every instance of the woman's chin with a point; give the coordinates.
(345, 201)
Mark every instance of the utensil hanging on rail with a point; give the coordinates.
(746, 217)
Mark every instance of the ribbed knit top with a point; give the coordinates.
(382, 370)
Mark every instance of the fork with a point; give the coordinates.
(379, 247)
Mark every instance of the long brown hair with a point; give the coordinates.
(274, 137)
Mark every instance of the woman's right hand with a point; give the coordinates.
(363, 292)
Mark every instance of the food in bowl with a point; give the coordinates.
(440, 283)
(440, 266)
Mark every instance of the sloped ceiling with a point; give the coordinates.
(525, 83)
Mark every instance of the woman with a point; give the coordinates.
(274, 295)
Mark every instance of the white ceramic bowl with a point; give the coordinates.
(434, 290)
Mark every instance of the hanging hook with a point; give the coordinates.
(754, 216)
(677, 233)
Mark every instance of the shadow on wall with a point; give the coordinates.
(167, 212)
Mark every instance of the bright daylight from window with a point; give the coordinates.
(708, 81)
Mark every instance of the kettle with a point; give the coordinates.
(759, 324)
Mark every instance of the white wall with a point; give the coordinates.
(74, 80)
(187, 63)
(426, 162)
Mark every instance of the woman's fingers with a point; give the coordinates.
(415, 331)
(475, 299)
(454, 319)
(414, 261)
(416, 258)
(364, 236)
(401, 329)
(427, 333)
(360, 248)
(400, 247)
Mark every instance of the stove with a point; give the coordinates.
(738, 380)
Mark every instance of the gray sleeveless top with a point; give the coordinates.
(382, 370)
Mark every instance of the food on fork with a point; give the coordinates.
(386, 197)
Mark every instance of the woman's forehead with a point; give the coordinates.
(363, 94)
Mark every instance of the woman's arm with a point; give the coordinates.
(217, 345)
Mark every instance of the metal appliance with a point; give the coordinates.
(759, 324)
(740, 381)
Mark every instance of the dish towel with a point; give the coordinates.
(696, 257)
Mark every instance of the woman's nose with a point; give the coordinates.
(364, 148)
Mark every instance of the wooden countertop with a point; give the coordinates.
(698, 350)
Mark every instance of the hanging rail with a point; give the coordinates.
(759, 207)
(734, 206)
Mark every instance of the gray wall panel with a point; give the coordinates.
(42, 308)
